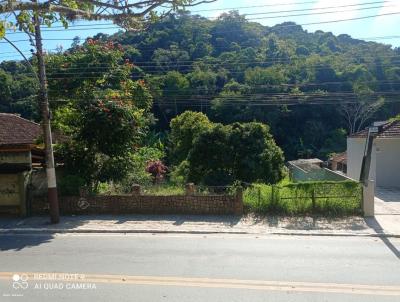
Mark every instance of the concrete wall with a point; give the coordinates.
(385, 161)
(355, 152)
(39, 181)
(9, 190)
(388, 163)
(23, 157)
(13, 192)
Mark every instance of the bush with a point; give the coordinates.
(185, 128)
(178, 175)
(69, 185)
(245, 152)
(324, 198)
(138, 174)
(157, 170)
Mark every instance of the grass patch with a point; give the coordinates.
(305, 198)
(163, 190)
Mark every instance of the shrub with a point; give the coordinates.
(69, 185)
(178, 175)
(138, 174)
(157, 170)
(185, 128)
(245, 152)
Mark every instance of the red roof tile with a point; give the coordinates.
(15, 130)
(339, 158)
(389, 130)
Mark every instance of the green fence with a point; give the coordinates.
(322, 198)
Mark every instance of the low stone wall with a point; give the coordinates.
(144, 204)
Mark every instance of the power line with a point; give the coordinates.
(149, 49)
(250, 14)
(248, 65)
(323, 8)
(313, 14)
(293, 60)
(272, 95)
(283, 102)
(260, 18)
(332, 21)
(266, 5)
(58, 75)
(85, 68)
(285, 85)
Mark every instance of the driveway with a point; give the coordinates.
(387, 211)
(387, 201)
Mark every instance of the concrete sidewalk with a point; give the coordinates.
(387, 209)
(350, 226)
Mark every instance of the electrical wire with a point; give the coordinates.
(276, 26)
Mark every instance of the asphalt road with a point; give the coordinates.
(198, 268)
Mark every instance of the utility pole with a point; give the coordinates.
(373, 132)
(45, 112)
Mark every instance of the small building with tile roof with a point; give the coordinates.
(18, 151)
(338, 162)
(385, 159)
(17, 131)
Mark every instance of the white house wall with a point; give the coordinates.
(388, 162)
(355, 152)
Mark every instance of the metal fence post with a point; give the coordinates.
(272, 195)
(239, 201)
(313, 199)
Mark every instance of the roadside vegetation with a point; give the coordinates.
(309, 198)
(211, 102)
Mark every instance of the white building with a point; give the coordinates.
(385, 160)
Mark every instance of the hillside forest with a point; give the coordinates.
(206, 100)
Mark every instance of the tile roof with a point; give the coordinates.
(389, 130)
(15, 130)
(339, 158)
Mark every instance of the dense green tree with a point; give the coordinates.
(245, 152)
(171, 59)
(210, 158)
(175, 89)
(18, 89)
(256, 155)
(185, 129)
(104, 116)
(5, 91)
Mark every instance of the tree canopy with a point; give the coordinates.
(104, 117)
(244, 152)
(312, 89)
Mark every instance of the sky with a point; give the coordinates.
(382, 29)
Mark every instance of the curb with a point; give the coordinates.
(205, 232)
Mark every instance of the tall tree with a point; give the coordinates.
(30, 16)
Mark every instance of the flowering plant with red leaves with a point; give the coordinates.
(157, 169)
